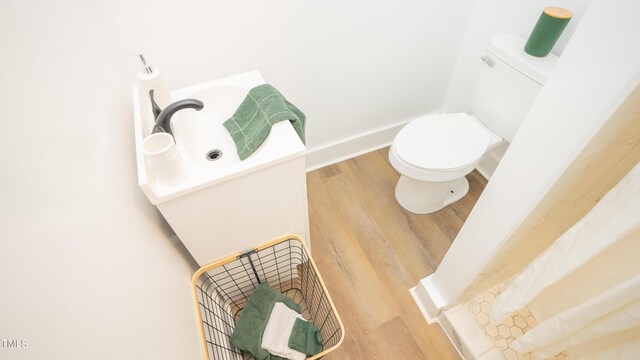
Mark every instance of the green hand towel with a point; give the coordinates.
(262, 107)
(247, 335)
(305, 338)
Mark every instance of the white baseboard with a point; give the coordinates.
(428, 299)
(488, 165)
(421, 307)
(486, 173)
(351, 147)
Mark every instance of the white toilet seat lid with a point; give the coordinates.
(442, 141)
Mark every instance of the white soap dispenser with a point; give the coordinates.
(149, 78)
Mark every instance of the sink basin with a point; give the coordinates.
(201, 132)
(207, 150)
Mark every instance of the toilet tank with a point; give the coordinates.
(508, 83)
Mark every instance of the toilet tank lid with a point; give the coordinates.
(510, 49)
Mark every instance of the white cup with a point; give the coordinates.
(162, 155)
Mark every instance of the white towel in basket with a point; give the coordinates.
(278, 330)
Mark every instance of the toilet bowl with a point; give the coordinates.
(433, 154)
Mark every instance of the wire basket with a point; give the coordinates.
(222, 289)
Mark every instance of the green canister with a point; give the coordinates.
(548, 29)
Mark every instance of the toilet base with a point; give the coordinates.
(424, 197)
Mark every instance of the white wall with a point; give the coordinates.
(87, 266)
(595, 74)
(353, 67)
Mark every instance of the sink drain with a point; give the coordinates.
(214, 155)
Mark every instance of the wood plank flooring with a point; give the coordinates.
(370, 251)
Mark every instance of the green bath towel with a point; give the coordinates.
(251, 123)
(247, 335)
(305, 338)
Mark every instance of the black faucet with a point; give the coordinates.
(154, 106)
(163, 116)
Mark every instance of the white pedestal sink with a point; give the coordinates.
(227, 206)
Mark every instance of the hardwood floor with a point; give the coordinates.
(370, 251)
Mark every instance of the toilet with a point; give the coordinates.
(434, 153)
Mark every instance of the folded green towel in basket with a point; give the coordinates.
(305, 338)
(248, 333)
(251, 123)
